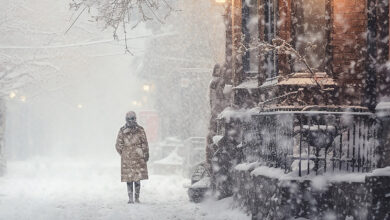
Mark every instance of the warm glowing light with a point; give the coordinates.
(220, 1)
(23, 98)
(136, 103)
(12, 95)
(146, 88)
(80, 106)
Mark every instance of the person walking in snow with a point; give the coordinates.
(132, 146)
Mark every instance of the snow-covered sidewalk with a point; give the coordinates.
(49, 189)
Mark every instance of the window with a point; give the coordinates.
(310, 31)
(270, 16)
(250, 29)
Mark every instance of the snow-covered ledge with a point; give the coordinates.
(257, 170)
(381, 172)
(242, 114)
(266, 187)
(383, 114)
(383, 109)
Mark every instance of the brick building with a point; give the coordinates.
(346, 35)
(313, 77)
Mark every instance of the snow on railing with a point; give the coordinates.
(316, 141)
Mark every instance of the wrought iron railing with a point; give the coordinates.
(312, 140)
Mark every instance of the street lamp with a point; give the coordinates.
(146, 88)
(23, 98)
(12, 95)
(219, 3)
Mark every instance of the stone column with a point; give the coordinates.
(383, 114)
(379, 182)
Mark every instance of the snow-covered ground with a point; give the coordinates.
(69, 189)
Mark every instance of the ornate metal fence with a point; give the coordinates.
(312, 140)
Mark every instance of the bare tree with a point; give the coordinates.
(16, 73)
(119, 14)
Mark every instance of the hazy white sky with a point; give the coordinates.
(83, 68)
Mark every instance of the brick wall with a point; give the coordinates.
(348, 41)
(265, 197)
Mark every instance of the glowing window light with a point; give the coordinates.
(146, 88)
(12, 95)
(23, 98)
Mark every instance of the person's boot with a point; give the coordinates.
(130, 192)
(137, 186)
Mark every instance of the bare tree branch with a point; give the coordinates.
(78, 16)
(123, 13)
(281, 46)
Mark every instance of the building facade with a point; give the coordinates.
(310, 99)
(347, 40)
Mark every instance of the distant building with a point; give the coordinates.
(178, 62)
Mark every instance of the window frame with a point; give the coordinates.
(270, 31)
(297, 18)
(246, 17)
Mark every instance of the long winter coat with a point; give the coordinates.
(132, 145)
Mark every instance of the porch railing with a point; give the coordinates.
(312, 141)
